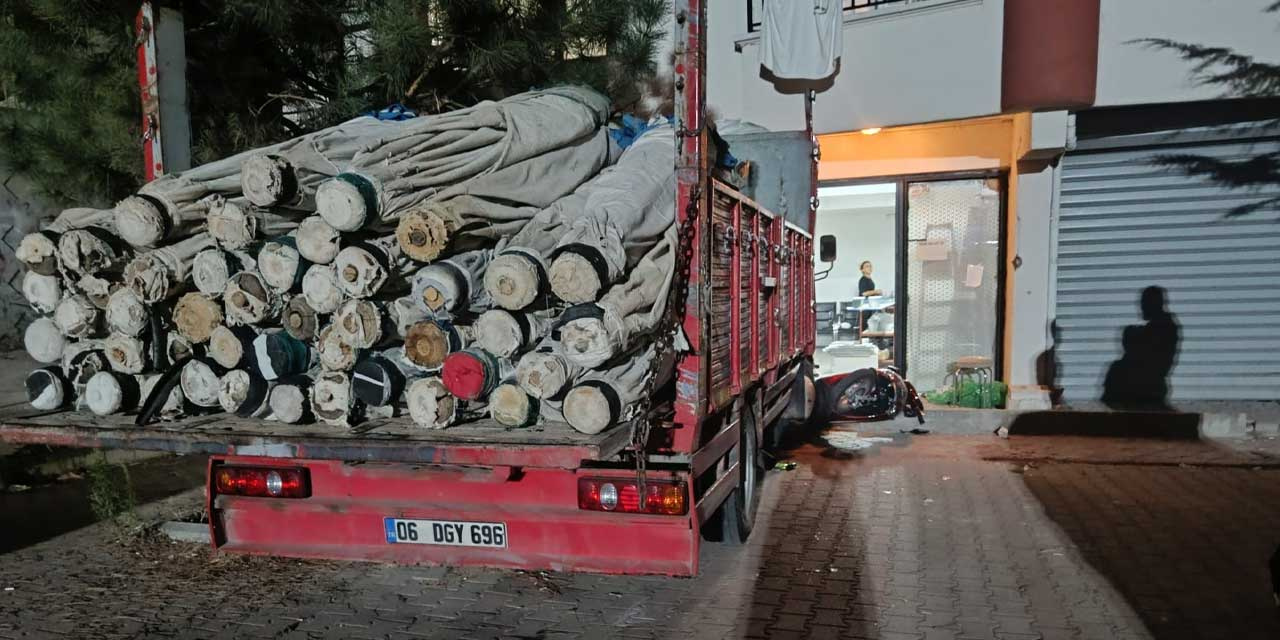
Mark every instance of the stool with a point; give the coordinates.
(971, 367)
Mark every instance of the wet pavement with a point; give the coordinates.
(925, 537)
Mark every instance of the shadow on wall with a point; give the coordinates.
(1047, 372)
(1140, 378)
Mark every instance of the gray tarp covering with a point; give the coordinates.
(431, 153)
(629, 206)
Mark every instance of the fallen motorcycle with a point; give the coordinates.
(867, 395)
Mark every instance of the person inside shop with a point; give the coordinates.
(866, 287)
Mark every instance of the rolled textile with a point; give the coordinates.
(320, 288)
(163, 272)
(335, 353)
(602, 399)
(196, 316)
(200, 380)
(627, 212)
(429, 342)
(510, 406)
(498, 204)
(236, 226)
(44, 340)
(453, 284)
(472, 374)
(279, 355)
(428, 154)
(175, 404)
(211, 269)
(333, 402)
(42, 292)
(432, 406)
(318, 242)
(365, 268)
(248, 300)
(509, 333)
(47, 389)
(231, 347)
(38, 251)
(281, 265)
(81, 368)
(127, 313)
(545, 373)
(592, 334)
(299, 319)
(244, 394)
(126, 354)
(364, 324)
(379, 380)
(108, 392)
(290, 401)
(287, 176)
(77, 317)
(91, 251)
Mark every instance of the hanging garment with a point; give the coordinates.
(801, 39)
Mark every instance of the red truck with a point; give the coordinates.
(635, 499)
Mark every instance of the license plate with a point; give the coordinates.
(446, 532)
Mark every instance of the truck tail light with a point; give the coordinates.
(262, 482)
(663, 497)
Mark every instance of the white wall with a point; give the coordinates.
(936, 60)
(1129, 73)
(1031, 280)
(864, 230)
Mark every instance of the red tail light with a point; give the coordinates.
(262, 482)
(663, 497)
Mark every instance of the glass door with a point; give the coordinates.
(951, 277)
(854, 302)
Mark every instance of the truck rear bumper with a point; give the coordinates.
(344, 519)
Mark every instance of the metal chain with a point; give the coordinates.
(665, 336)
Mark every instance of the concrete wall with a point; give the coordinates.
(1130, 73)
(20, 213)
(935, 60)
(1029, 333)
(931, 60)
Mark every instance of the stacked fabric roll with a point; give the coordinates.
(505, 261)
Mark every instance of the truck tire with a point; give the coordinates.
(738, 515)
(800, 411)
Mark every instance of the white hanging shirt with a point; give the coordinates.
(801, 39)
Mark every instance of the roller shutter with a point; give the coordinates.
(1126, 223)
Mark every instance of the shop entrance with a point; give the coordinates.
(918, 279)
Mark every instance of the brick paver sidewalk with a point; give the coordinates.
(925, 540)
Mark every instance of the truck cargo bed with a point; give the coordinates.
(483, 442)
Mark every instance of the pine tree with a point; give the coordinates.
(263, 70)
(1240, 76)
(69, 105)
(435, 55)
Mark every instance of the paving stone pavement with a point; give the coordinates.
(927, 540)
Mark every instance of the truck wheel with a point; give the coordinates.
(799, 413)
(738, 516)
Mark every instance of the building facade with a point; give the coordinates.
(1013, 155)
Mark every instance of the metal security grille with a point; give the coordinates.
(755, 8)
(1126, 223)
